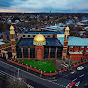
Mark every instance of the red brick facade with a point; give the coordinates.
(39, 52)
(79, 49)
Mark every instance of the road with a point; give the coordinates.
(35, 81)
(58, 81)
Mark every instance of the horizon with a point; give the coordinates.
(53, 6)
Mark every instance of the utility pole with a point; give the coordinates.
(69, 63)
(18, 72)
(27, 67)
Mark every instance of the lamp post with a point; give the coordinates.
(27, 67)
(18, 72)
(41, 74)
(69, 63)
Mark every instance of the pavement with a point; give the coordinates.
(41, 81)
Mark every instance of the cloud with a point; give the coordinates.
(45, 5)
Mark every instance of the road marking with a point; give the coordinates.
(74, 79)
(77, 84)
(12, 76)
(24, 71)
(81, 75)
(56, 83)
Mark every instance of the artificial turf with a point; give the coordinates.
(43, 65)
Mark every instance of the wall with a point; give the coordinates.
(76, 57)
(44, 73)
(39, 51)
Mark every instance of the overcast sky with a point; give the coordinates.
(44, 5)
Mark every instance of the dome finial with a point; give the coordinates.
(67, 28)
(11, 27)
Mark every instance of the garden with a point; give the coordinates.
(43, 65)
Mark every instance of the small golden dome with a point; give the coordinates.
(67, 28)
(39, 38)
(11, 27)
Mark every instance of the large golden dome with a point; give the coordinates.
(39, 40)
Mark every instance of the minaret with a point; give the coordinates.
(65, 45)
(13, 42)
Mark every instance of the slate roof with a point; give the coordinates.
(42, 32)
(49, 42)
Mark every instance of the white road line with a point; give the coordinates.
(81, 75)
(74, 79)
(56, 83)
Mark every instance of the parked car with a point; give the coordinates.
(80, 68)
(71, 85)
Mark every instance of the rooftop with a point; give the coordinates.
(49, 42)
(42, 32)
(75, 52)
(75, 41)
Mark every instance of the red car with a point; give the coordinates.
(72, 84)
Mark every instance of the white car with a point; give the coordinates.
(80, 68)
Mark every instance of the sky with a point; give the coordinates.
(38, 6)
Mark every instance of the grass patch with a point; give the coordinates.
(43, 65)
(5, 44)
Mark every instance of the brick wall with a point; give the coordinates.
(38, 52)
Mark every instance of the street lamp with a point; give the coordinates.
(69, 63)
(27, 67)
(18, 72)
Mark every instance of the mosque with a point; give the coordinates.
(41, 45)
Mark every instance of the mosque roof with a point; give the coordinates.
(49, 42)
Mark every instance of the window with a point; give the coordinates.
(48, 36)
(12, 36)
(67, 31)
(23, 35)
(81, 50)
(71, 46)
(65, 43)
(19, 53)
(33, 35)
(65, 51)
(86, 50)
(13, 50)
(54, 36)
(76, 51)
(66, 36)
(86, 55)
(70, 50)
(82, 46)
(25, 52)
(77, 46)
(28, 35)
(12, 42)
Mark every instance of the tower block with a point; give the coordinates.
(13, 42)
(65, 46)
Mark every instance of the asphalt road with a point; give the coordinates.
(32, 79)
(58, 81)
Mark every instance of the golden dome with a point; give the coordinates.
(67, 28)
(39, 38)
(11, 27)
